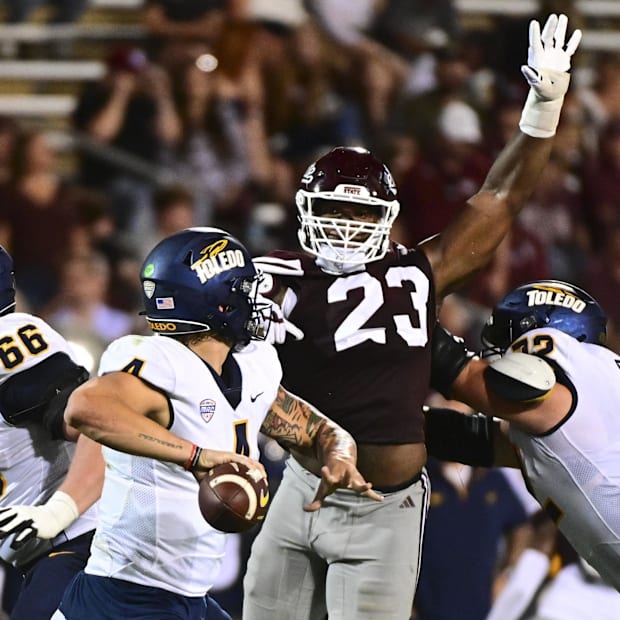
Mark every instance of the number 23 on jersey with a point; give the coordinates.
(351, 331)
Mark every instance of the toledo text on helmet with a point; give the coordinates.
(555, 297)
(215, 259)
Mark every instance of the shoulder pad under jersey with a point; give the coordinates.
(520, 377)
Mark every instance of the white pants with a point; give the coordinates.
(354, 559)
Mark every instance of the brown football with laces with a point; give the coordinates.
(233, 498)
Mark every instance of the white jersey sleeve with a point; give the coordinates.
(141, 357)
(25, 341)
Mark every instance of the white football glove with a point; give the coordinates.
(45, 521)
(274, 323)
(548, 63)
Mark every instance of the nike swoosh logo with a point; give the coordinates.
(55, 553)
(253, 398)
(264, 498)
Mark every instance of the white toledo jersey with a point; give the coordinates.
(150, 529)
(574, 470)
(32, 465)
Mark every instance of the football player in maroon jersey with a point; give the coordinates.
(364, 308)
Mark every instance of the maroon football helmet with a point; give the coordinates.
(354, 176)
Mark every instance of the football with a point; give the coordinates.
(233, 498)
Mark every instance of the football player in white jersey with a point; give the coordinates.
(171, 406)
(557, 390)
(42, 491)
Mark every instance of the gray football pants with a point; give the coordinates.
(354, 559)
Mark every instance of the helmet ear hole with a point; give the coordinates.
(527, 323)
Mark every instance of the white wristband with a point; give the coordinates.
(540, 119)
(62, 509)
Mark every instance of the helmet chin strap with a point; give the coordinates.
(336, 266)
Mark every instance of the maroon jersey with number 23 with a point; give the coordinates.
(364, 360)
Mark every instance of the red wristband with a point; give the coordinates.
(193, 458)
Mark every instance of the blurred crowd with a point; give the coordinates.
(214, 116)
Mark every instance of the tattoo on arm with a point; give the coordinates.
(292, 421)
(159, 441)
(297, 424)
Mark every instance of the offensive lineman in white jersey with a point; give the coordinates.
(42, 491)
(168, 408)
(558, 391)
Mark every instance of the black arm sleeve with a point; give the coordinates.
(449, 356)
(39, 395)
(455, 436)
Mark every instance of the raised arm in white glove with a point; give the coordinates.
(548, 63)
(44, 521)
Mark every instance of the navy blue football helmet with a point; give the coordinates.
(545, 303)
(201, 279)
(7, 283)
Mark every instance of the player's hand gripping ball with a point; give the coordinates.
(233, 498)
